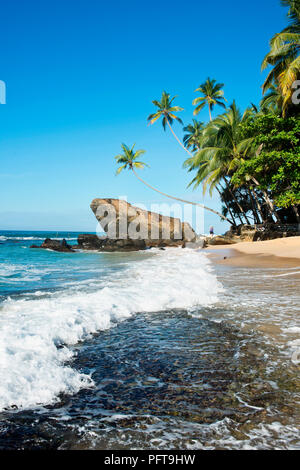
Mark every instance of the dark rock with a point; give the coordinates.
(94, 242)
(163, 243)
(259, 235)
(268, 231)
(55, 245)
(64, 244)
(88, 241)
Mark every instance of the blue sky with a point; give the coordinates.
(80, 79)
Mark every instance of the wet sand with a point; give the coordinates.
(279, 253)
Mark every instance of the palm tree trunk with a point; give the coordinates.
(268, 201)
(227, 206)
(178, 140)
(255, 213)
(209, 110)
(295, 209)
(237, 203)
(181, 200)
(240, 207)
(238, 214)
(259, 206)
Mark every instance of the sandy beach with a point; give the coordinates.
(281, 253)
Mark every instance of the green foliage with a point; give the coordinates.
(165, 110)
(284, 56)
(193, 134)
(276, 163)
(212, 95)
(128, 159)
(221, 148)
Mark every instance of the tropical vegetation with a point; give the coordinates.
(284, 57)
(251, 158)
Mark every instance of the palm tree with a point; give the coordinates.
(128, 160)
(272, 101)
(222, 149)
(284, 56)
(193, 134)
(221, 145)
(166, 111)
(212, 94)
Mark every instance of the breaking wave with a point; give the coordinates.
(37, 335)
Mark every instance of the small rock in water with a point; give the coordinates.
(55, 245)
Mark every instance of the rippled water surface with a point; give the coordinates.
(158, 350)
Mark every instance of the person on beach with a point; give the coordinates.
(211, 231)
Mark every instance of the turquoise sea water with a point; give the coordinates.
(155, 349)
(25, 270)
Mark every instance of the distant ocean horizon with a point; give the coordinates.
(51, 232)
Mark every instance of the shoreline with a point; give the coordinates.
(233, 332)
(278, 253)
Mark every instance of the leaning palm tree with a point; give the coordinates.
(166, 111)
(129, 160)
(212, 95)
(284, 56)
(193, 134)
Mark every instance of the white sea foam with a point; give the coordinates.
(36, 335)
(287, 274)
(9, 273)
(8, 269)
(4, 238)
(292, 329)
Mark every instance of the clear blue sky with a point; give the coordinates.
(80, 79)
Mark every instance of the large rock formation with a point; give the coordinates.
(122, 221)
(127, 228)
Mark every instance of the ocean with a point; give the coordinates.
(147, 350)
